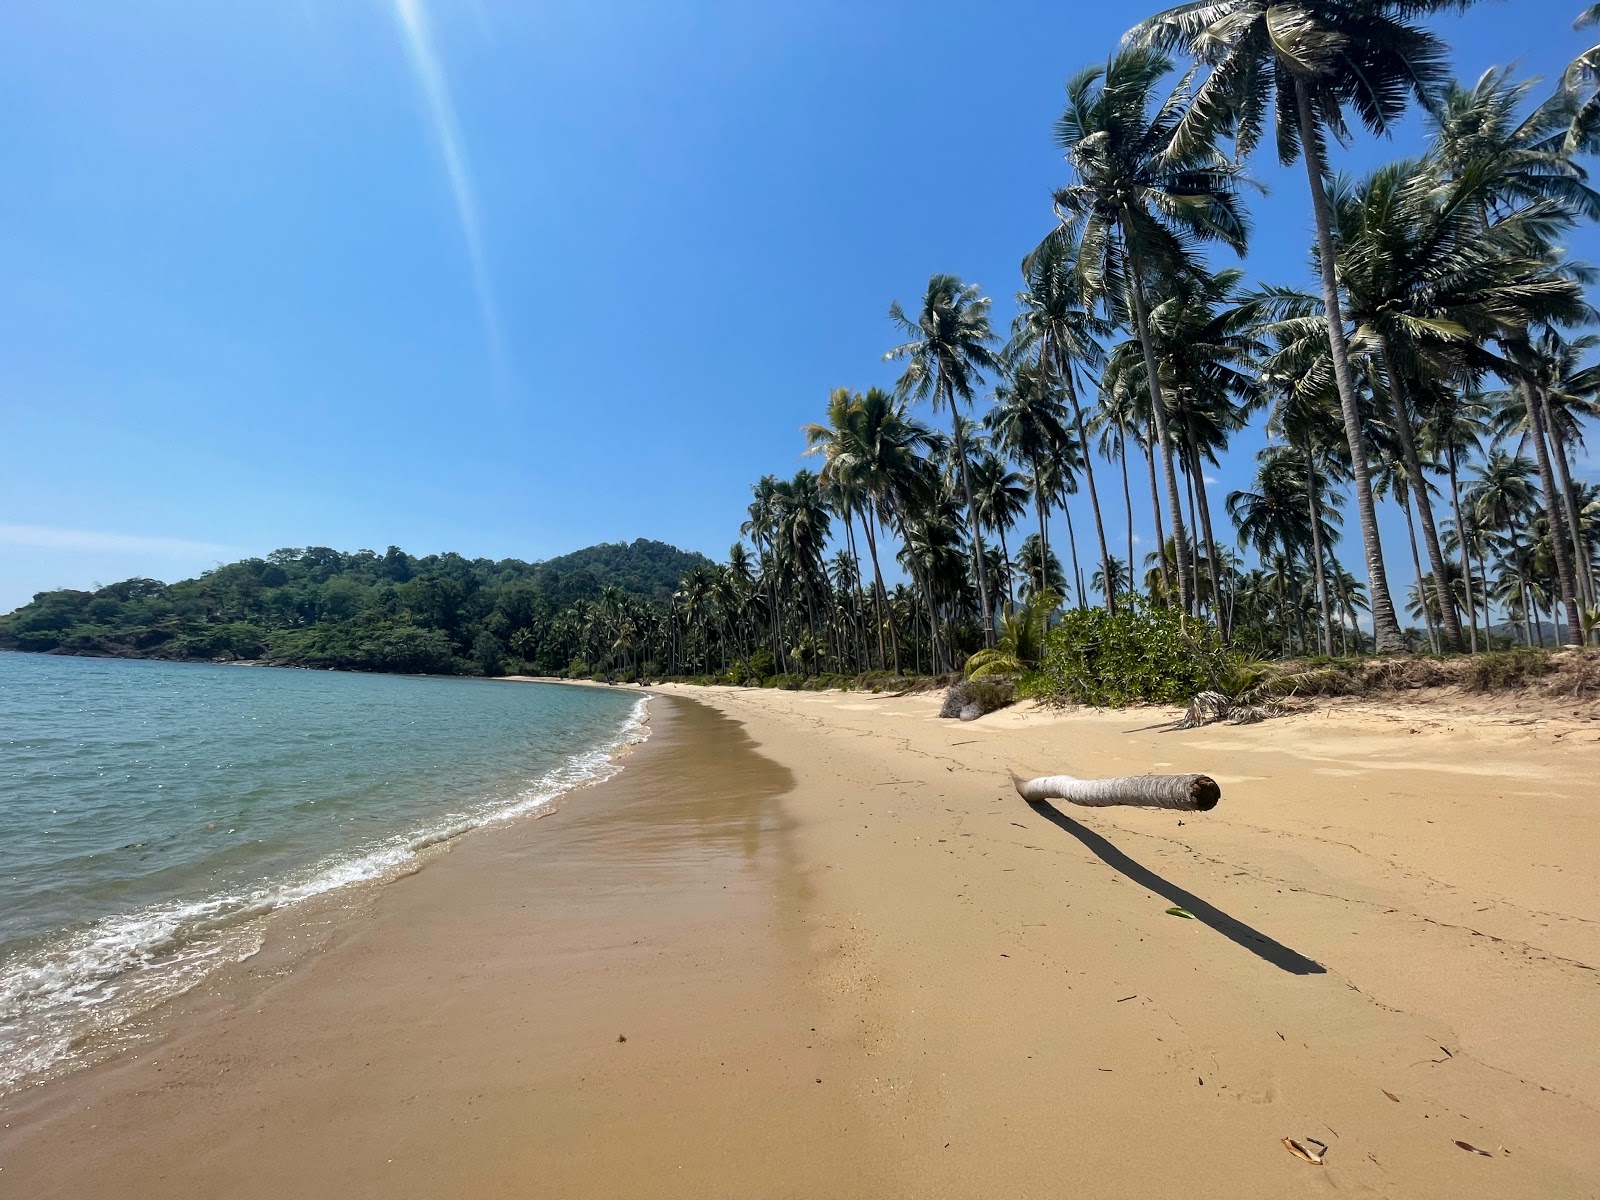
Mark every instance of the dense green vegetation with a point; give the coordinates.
(317, 607)
(1435, 359)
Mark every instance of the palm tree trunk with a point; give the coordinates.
(1416, 562)
(1483, 577)
(1466, 557)
(1419, 492)
(1127, 492)
(1385, 625)
(1072, 544)
(1064, 370)
(1583, 567)
(1158, 418)
(1315, 513)
(973, 525)
(1044, 544)
(854, 593)
(1558, 531)
(880, 597)
(1161, 541)
(1198, 480)
(1005, 557)
(1194, 527)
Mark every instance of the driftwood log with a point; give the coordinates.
(1185, 793)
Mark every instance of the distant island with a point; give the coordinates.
(319, 607)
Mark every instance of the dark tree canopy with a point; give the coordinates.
(318, 607)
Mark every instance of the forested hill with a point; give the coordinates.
(364, 611)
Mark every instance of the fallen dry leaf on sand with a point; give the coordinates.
(1314, 1157)
(1474, 1149)
(1392, 1096)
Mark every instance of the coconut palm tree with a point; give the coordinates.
(1028, 422)
(949, 347)
(1054, 321)
(1041, 569)
(1001, 499)
(1139, 202)
(1310, 61)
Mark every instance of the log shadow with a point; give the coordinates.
(1235, 930)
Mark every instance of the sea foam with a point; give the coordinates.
(72, 993)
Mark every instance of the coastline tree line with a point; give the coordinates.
(1438, 362)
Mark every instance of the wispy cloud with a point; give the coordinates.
(418, 34)
(89, 541)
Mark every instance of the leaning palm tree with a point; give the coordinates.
(1140, 201)
(949, 347)
(1311, 60)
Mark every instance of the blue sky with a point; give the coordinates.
(508, 279)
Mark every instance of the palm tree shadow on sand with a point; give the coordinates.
(1236, 931)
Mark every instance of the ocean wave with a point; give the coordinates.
(76, 988)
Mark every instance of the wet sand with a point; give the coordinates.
(849, 961)
(458, 1032)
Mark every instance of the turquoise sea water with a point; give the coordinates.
(151, 813)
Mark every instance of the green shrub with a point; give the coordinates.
(761, 664)
(1142, 654)
(599, 677)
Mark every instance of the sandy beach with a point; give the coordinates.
(811, 944)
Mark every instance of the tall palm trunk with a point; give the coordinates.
(1064, 369)
(1161, 540)
(1466, 557)
(1416, 562)
(1127, 493)
(1198, 478)
(1534, 397)
(1419, 491)
(1072, 543)
(973, 525)
(1583, 566)
(1314, 510)
(852, 597)
(1158, 419)
(1385, 625)
(1044, 544)
(880, 597)
(1005, 557)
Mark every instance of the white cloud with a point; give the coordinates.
(90, 541)
(1137, 540)
(1211, 480)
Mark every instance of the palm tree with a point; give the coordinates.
(1140, 201)
(1113, 578)
(1040, 568)
(1022, 639)
(1028, 423)
(1555, 370)
(1311, 60)
(1054, 320)
(948, 350)
(1001, 499)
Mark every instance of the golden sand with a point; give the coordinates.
(848, 961)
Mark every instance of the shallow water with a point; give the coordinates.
(151, 813)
